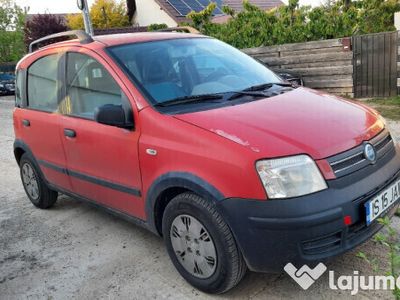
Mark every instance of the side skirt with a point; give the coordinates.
(115, 212)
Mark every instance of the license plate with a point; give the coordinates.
(380, 204)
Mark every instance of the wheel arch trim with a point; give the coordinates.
(18, 144)
(183, 180)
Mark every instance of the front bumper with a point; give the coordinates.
(309, 229)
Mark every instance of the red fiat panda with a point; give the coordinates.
(205, 146)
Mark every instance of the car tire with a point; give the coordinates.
(214, 263)
(35, 187)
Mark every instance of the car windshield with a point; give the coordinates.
(6, 77)
(182, 68)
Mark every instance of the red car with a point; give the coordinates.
(205, 146)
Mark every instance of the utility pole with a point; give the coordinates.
(83, 6)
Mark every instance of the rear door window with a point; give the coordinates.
(43, 84)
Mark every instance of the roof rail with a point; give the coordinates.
(82, 36)
(185, 29)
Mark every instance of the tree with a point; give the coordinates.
(12, 19)
(42, 25)
(104, 14)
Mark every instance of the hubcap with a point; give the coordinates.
(30, 181)
(193, 246)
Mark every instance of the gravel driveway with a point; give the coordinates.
(76, 251)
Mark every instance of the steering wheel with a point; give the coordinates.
(218, 73)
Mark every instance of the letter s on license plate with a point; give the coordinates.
(380, 204)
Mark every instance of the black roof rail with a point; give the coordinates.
(82, 36)
(185, 29)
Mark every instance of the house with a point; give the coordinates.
(173, 12)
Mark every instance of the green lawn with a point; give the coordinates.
(388, 107)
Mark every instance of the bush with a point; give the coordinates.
(292, 23)
(155, 27)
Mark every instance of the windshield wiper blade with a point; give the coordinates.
(189, 99)
(238, 94)
(266, 86)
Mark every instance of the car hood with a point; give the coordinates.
(300, 121)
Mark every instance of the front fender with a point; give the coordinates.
(183, 180)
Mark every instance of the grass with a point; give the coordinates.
(388, 107)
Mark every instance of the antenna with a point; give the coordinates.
(83, 6)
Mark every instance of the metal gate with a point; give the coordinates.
(375, 65)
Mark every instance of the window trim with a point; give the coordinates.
(58, 82)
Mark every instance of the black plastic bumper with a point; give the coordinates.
(311, 228)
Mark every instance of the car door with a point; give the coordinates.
(102, 160)
(38, 122)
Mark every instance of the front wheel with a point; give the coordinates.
(201, 245)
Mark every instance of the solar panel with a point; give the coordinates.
(194, 5)
(183, 7)
(218, 9)
(180, 7)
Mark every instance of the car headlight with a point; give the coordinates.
(292, 176)
(1, 85)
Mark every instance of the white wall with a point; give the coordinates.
(149, 12)
(397, 20)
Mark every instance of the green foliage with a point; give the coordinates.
(104, 14)
(12, 20)
(292, 23)
(389, 238)
(155, 27)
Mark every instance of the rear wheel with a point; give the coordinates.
(201, 245)
(35, 187)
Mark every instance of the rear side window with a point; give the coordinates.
(42, 84)
(89, 85)
(18, 89)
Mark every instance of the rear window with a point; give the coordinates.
(7, 77)
(42, 84)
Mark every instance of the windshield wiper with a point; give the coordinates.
(257, 90)
(189, 99)
(266, 86)
(238, 94)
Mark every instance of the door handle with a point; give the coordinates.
(69, 133)
(26, 123)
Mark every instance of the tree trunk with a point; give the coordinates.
(131, 5)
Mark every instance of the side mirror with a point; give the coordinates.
(80, 4)
(113, 115)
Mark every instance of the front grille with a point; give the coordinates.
(354, 159)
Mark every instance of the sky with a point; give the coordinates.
(69, 6)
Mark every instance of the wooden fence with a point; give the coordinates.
(325, 65)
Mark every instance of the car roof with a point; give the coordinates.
(125, 38)
(103, 41)
(128, 38)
